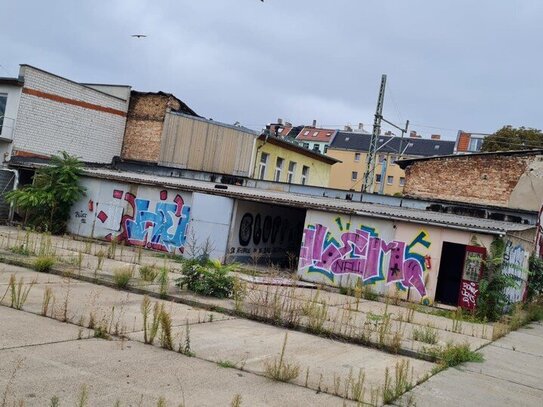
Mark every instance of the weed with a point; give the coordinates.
(316, 313)
(454, 354)
(148, 273)
(55, 402)
(163, 281)
(457, 321)
(166, 330)
(112, 249)
(426, 334)
(11, 380)
(279, 369)
(150, 330)
(43, 264)
(227, 364)
(239, 293)
(83, 398)
(394, 387)
(22, 250)
(184, 346)
(122, 277)
(236, 401)
(100, 331)
(19, 293)
(208, 277)
(47, 296)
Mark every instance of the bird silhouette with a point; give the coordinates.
(139, 35)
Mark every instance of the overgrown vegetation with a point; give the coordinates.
(535, 278)
(454, 354)
(122, 277)
(18, 291)
(512, 138)
(426, 334)
(43, 264)
(493, 301)
(148, 273)
(279, 369)
(208, 277)
(48, 200)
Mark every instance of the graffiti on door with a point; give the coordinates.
(157, 225)
(514, 262)
(362, 253)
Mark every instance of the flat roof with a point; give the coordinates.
(381, 211)
(11, 81)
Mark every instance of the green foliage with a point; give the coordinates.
(122, 277)
(43, 264)
(21, 249)
(453, 355)
(535, 278)
(493, 300)
(208, 277)
(148, 273)
(49, 199)
(511, 138)
(426, 334)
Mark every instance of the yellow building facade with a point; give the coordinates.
(280, 161)
(389, 178)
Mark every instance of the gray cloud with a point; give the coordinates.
(451, 64)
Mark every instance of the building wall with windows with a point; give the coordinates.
(273, 162)
(349, 173)
(10, 95)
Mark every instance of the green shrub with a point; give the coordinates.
(453, 355)
(43, 264)
(426, 334)
(148, 273)
(535, 278)
(21, 249)
(122, 277)
(208, 278)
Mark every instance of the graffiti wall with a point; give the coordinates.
(265, 233)
(153, 218)
(515, 260)
(342, 250)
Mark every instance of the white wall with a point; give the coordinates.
(10, 117)
(46, 126)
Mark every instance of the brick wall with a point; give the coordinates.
(144, 125)
(57, 114)
(479, 179)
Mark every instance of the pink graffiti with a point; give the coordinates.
(360, 253)
(468, 294)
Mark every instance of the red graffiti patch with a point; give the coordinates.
(163, 195)
(117, 194)
(102, 216)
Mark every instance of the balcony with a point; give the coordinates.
(7, 127)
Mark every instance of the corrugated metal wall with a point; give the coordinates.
(7, 178)
(202, 145)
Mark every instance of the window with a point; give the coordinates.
(381, 158)
(263, 162)
(3, 102)
(346, 138)
(278, 169)
(390, 180)
(378, 178)
(306, 132)
(291, 171)
(436, 147)
(475, 144)
(357, 156)
(402, 181)
(328, 134)
(316, 148)
(305, 145)
(354, 175)
(315, 133)
(325, 148)
(305, 175)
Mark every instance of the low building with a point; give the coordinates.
(43, 113)
(510, 179)
(352, 148)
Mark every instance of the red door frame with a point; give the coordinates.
(471, 274)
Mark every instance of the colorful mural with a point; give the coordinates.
(359, 251)
(157, 225)
(515, 260)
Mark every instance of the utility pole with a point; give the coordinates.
(370, 167)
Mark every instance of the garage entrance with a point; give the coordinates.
(450, 273)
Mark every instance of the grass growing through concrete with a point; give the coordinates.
(47, 297)
(150, 328)
(281, 370)
(148, 273)
(426, 334)
(18, 291)
(122, 277)
(43, 264)
(455, 354)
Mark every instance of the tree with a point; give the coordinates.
(48, 200)
(511, 138)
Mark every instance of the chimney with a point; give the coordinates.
(435, 136)
(288, 124)
(348, 128)
(413, 134)
(360, 126)
(279, 121)
(314, 123)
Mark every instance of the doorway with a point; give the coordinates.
(450, 273)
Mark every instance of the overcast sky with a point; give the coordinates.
(451, 64)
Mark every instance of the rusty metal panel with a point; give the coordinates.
(202, 145)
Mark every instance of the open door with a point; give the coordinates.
(469, 286)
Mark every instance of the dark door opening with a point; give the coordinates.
(450, 273)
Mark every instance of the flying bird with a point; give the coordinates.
(139, 35)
